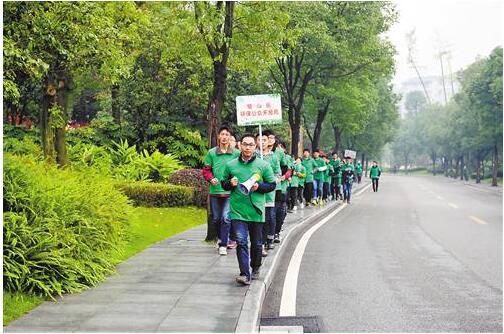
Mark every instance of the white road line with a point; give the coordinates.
(453, 205)
(439, 197)
(477, 220)
(289, 291)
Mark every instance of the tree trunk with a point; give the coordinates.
(116, 112)
(318, 126)
(59, 138)
(433, 157)
(495, 165)
(462, 167)
(212, 234)
(337, 138)
(367, 162)
(478, 169)
(457, 168)
(219, 52)
(46, 131)
(483, 168)
(362, 159)
(216, 102)
(296, 135)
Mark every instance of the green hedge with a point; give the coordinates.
(157, 194)
(61, 228)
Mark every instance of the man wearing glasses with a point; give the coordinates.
(248, 179)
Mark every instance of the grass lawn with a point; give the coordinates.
(150, 225)
(147, 226)
(17, 304)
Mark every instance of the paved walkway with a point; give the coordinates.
(177, 285)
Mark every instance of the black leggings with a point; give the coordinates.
(292, 197)
(375, 184)
(300, 194)
(308, 192)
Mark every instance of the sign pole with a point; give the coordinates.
(260, 140)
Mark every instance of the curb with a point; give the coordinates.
(249, 318)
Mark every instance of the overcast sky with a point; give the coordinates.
(467, 27)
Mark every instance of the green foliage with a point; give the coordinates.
(85, 156)
(157, 194)
(192, 178)
(60, 227)
(25, 146)
(177, 139)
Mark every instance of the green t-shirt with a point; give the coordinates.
(308, 164)
(298, 181)
(321, 168)
(290, 164)
(282, 161)
(302, 178)
(327, 173)
(358, 169)
(375, 172)
(350, 170)
(243, 207)
(217, 159)
(272, 159)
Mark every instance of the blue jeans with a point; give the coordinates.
(269, 226)
(220, 212)
(242, 230)
(280, 211)
(318, 186)
(347, 191)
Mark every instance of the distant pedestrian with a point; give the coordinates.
(248, 210)
(318, 177)
(327, 181)
(374, 174)
(358, 171)
(308, 164)
(215, 162)
(298, 174)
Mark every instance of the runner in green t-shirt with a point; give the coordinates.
(281, 204)
(270, 157)
(348, 176)
(297, 183)
(308, 164)
(336, 162)
(358, 171)
(318, 177)
(327, 180)
(374, 174)
(215, 161)
(248, 210)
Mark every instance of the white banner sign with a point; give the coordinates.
(258, 109)
(351, 154)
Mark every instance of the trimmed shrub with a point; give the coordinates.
(192, 178)
(157, 194)
(61, 227)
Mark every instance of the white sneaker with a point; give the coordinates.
(223, 250)
(301, 205)
(294, 208)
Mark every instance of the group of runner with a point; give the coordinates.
(254, 183)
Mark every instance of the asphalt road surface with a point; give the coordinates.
(422, 255)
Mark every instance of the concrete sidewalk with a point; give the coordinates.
(180, 284)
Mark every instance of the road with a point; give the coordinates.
(421, 255)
